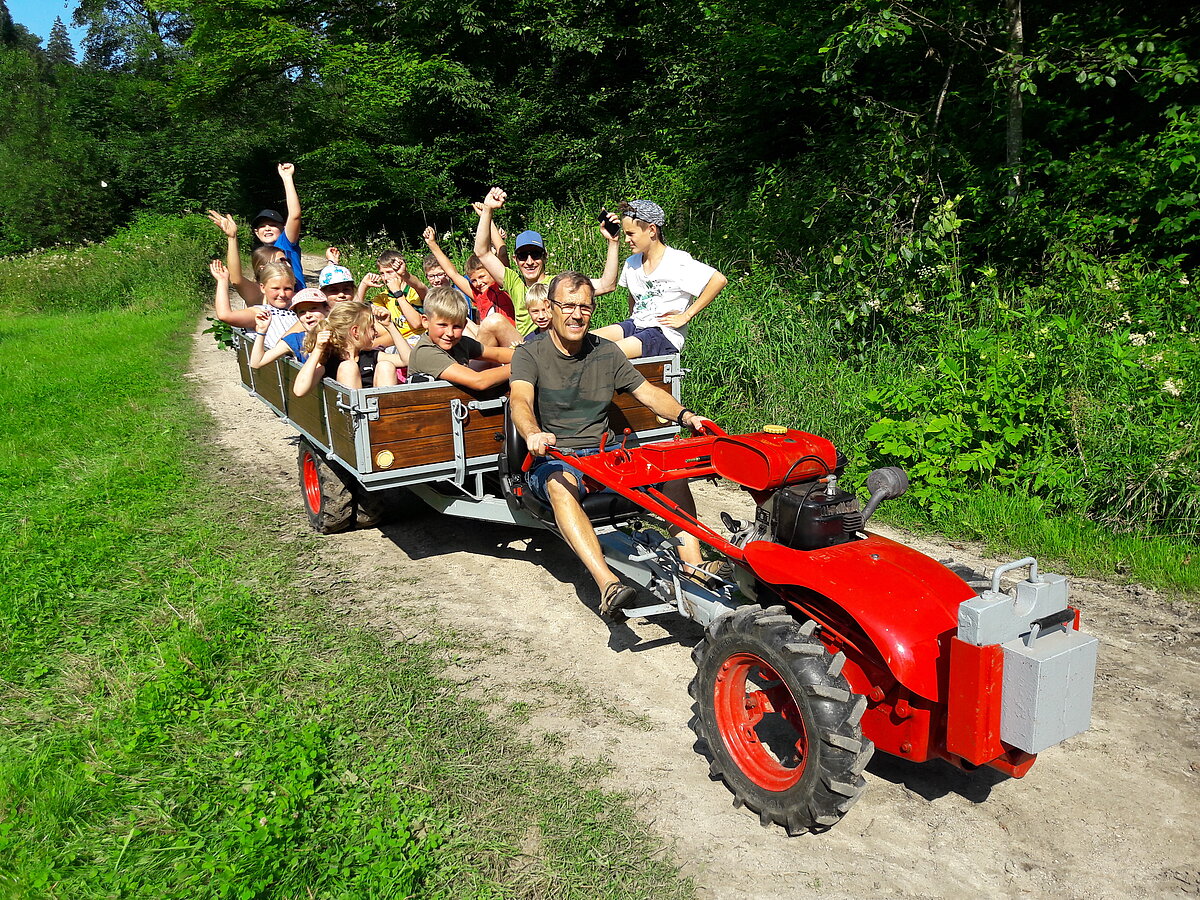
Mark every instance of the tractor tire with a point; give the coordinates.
(328, 498)
(779, 719)
(370, 508)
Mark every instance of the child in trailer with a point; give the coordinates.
(311, 308)
(246, 287)
(667, 288)
(277, 285)
(537, 302)
(530, 251)
(403, 293)
(478, 286)
(445, 353)
(271, 228)
(343, 348)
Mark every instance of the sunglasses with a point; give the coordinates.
(530, 253)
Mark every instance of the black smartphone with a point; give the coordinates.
(611, 227)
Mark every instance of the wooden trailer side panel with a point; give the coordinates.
(308, 412)
(339, 421)
(417, 427)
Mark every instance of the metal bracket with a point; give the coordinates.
(484, 405)
(458, 414)
(359, 406)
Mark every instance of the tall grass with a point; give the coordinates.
(180, 718)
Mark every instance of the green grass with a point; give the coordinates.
(182, 714)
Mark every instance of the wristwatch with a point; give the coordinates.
(683, 412)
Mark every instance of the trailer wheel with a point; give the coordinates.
(328, 499)
(779, 719)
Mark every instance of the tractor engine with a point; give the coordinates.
(793, 477)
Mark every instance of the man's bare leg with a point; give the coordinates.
(577, 529)
(689, 545)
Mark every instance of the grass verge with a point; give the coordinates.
(180, 716)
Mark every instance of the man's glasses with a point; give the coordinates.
(570, 309)
(530, 253)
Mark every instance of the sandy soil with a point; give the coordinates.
(1110, 813)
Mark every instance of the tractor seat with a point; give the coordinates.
(602, 507)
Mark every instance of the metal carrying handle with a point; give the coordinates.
(1019, 564)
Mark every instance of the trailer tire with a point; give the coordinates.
(779, 719)
(328, 497)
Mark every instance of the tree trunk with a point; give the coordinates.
(1016, 99)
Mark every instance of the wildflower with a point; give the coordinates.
(1113, 284)
(262, 820)
(1183, 279)
(875, 303)
(1138, 340)
(1171, 388)
(1126, 318)
(447, 235)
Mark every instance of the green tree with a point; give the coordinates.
(59, 50)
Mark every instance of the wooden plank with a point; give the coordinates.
(305, 412)
(242, 350)
(266, 383)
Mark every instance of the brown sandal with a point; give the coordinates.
(616, 596)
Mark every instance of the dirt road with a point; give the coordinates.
(1111, 813)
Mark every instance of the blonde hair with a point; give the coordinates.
(537, 293)
(274, 270)
(338, 323)
(446, 301)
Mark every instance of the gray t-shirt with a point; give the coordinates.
(572, 393)
(429, 359)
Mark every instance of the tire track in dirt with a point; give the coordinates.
(1111, 813)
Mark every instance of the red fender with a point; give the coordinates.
(904, 601)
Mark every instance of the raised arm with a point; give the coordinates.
(483, 235)
(259, 355)
(241, 318)
(287, 172)
(716, 284)
(460, 282)
(313, 369)
(247, 287)
(607, 282)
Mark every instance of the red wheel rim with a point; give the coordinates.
(760, 723)
(312, 484)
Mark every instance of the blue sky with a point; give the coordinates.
(39, 15)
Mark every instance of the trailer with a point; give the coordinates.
(824, 642)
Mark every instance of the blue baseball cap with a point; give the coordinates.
(529, 239)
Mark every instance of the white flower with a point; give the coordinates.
(1138, 340)
(1113, 284)
(1171, 388)
(447, 235)
(874, 303)
(1183, 279)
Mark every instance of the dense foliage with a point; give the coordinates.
(979, 219)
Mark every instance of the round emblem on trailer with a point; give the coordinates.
(774, 429)
(384, 458)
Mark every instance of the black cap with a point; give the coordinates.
(270, 214)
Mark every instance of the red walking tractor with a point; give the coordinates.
(823, 641)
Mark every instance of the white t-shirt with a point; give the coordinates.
(671, 288)
(282, 321)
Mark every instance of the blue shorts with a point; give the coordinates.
(546, 466)
(654, 341)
